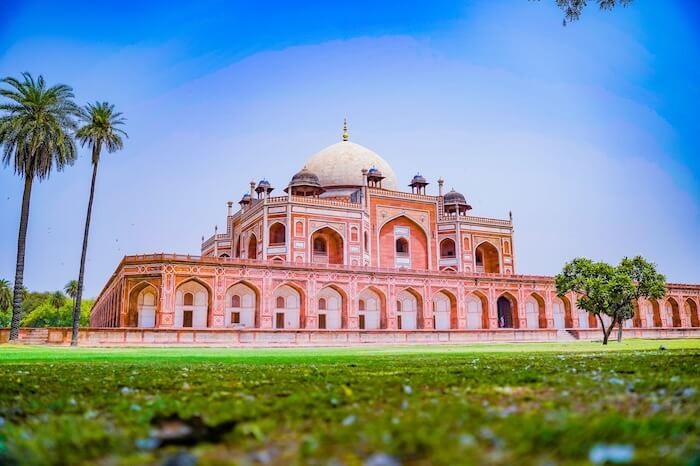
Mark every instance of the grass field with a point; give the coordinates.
(504, 404)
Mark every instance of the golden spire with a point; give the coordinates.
(345, 129)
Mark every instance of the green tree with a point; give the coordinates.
(602, 289)
(57, 299)
(71, 288)
(36, 122)
(101, 128)
(5, 294)
(648, 284)
(573, 8)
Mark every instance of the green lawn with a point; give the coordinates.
(501, 404)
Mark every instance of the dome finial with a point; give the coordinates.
(345, 129)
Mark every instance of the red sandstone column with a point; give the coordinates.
(218, 300)
(166, 304)
(492, 308)
(548, 309)
(391, 307)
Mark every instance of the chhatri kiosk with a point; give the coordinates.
(345, 254)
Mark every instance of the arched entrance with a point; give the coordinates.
(445, 310)
(403, 244)
(288, 308)
(447, 249)
(327, 247)
(242, 306)
(507, 311)
(332, 305)
(409, 310)
(192, 304)
(252, 247)
(477, 315)
(561, 312)
(371, 309)
(143, 300)
(534, 312)
(487, 258)
(278, 234)
(692, 311)
(675, 312)
(653, 313)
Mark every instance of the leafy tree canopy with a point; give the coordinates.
(573, 8)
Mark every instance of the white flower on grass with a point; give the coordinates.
(616, 454)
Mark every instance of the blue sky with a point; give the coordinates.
(588, 133)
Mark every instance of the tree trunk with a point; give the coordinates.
(619, 332)
(79, 294)
(608, 331)
(19, 270)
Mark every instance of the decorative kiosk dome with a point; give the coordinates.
(341, 165)
(304, 183)
(455, 203)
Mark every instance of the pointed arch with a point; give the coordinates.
(247, 305)
(675, 312)
(199, 313)
(237, 254)
(374, 312)
(336, 306)
(403, 243)
(507, 308)
(692, 312)
(535, 311)
(445, 310)
(447, 249)
(293, 314)
(278, 233)
(487, 258)
(327, 246)
(252, 247)
(141, 311)
(654, 313)
(477, 307)
(410, 313)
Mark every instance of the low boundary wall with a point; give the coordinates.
(106, 337)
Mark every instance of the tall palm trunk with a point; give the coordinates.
(19, 271)
(79, 294)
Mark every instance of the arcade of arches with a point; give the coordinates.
(331, 308)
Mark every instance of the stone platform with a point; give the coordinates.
(135, 337)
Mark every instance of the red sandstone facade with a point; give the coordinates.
(345, 250)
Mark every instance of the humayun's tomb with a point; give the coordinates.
(346, 256)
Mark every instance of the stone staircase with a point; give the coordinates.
(35, 336)
(567, 335)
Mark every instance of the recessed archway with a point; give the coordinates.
(477, 311)
(534, 312)
(409, 309)
(278, 234)
(242, 306)
(289, 307)
(507, 307)
(252, 247)
(653, 313)
(143, 303)
(403, 244)
(192, 305)
(372, 309)
(561, 312)
(447, 249)
(445, 310)
(327, 247)
(332, 308)
(675, 312)
(692, 312)
(487, 258)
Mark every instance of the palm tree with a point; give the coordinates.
(5, 294)
(101, 128)
(35, 126)
(71, 288)
(57, 299)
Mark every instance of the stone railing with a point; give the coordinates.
(403, 195)
(475, 220)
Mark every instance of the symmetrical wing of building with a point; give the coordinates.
(345, 248)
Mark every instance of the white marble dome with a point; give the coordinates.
(341, 164)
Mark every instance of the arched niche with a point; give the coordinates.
(487, 259)
(327, 247)
(288, 307)
(477, 311)
(445, 310)
(192, 305)
(242, 308)
(372, 309)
